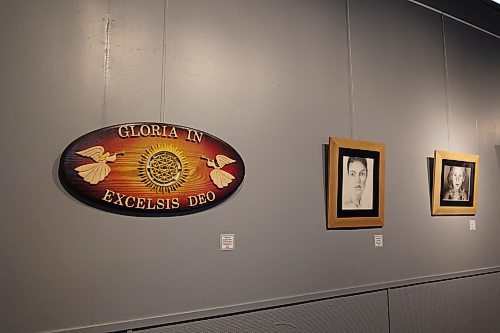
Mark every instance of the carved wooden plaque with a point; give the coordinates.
(150, 169)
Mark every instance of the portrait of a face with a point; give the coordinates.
(456, 181)
(454, 184)
(356, 173)
(357, 183)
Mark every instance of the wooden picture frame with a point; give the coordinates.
(356, 178)
(455, 182)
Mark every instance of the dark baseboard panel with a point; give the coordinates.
(237, 309)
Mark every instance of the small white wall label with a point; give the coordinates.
(472, 225)
(226, 242)
(379, 240)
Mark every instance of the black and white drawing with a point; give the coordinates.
(356, 172)
(456, 183)
(357, 184)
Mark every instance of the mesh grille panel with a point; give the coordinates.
(470, 304)
(359, 313)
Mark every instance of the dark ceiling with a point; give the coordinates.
(484, 14)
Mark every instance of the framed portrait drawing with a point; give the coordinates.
(356, 178)
(455, 183)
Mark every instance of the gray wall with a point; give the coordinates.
(272, 79)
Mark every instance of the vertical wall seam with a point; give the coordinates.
(446, 83)
(106, 65)
(94, 281)
(476, 129)
(349, 73)
(388, 310)
(476, 125)
(104, 120)
(164, 65)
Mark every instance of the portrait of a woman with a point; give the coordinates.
(355, 183)
(356, 171)
(458, 184)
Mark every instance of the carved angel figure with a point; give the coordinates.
(220, 177)
(95, 172)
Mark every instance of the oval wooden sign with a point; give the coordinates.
(150, 169)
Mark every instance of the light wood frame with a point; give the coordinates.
(437, 207)
(334, 220)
